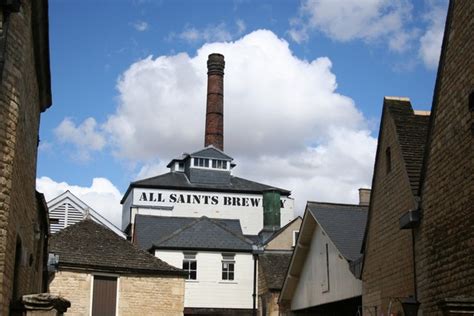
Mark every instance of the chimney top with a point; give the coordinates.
(364, 196)
(215, 64)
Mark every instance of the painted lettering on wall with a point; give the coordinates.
(155, 197)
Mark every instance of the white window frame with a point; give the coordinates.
(92, 290)
(295, 238)
(190, 257)
(229, 259)
(197, 163)
(219, 164)
(200, 163)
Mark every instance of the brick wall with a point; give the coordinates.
(388, 268)
(445, 243)
(137, 295)
(20, 115)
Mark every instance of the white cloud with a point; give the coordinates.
(140, 26)
(241, 27)
(351, 19)
(430, 42)
(389, 21)
(210, 33)
(285, 124)
(86, 137)
(102, 195)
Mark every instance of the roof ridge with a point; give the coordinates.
(336, 203)
(243, 238)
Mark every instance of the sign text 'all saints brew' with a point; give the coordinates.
(155, 197)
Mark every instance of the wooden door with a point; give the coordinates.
(104, 296)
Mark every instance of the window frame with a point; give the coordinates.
(228, 273)
(190, 258)
(201, 162)
(296, 234)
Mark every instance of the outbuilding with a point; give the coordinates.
(103, 274)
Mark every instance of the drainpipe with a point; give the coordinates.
(256, 250)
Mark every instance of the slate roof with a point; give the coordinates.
(150, 229)
(344, 224)
(89, 245)
(274, 267)
(185, 233)
(412, 134)
(211, 152)
(179, 180)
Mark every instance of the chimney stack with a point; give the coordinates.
(364, 196)
(215, 102)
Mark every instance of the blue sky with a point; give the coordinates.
(113, 58)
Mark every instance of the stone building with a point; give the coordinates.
(420, 232)
(103, 274)
(388, 270)
(24, 94)
(445, 238)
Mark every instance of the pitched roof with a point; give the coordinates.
(57, 211)
(211, 152)
(274, 266)
(89, 245)
(179, 180)
(150, 229)
(343, 223)
(412, 134)
(205, 234)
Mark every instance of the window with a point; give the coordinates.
(219, 164)
(201, 162)
(180, 166)
(190, 265)
(296, 233)
(228, 265)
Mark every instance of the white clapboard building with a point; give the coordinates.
(194, 188)
(67, 209)
(203, 219)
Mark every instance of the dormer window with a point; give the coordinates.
(201, 162)
(219, 164)
(181, 166)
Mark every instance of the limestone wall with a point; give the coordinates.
(137, 295)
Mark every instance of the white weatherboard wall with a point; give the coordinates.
(248, 208)
(312, 284)
(209, 291)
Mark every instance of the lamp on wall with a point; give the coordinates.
(410, 306)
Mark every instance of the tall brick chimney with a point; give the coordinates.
(215, 102)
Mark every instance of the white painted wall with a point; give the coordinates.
(126, 211)
(218, 206)
(312, 286)
(209, 290)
